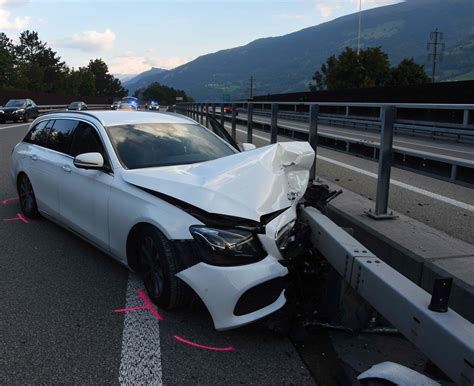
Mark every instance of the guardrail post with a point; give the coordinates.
(206, 106)
(234, 121)
(201, 113)
(274, 124)
(249, 122)
(222, 114)
(214, 110)
(385, 163)
(313, 136)
(465, 118)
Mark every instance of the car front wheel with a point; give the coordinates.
(158, 265)
(27, 197)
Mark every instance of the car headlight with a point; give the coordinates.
(2, 112)
(227, 247)
(19, 111)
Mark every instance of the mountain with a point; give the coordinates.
(142, 80)
(287, 63)
(124, 77)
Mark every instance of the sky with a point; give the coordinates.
(133, 36)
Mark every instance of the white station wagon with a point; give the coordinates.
(172, 200)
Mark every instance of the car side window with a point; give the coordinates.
(60, 135)
(87, 140)
(38, 135)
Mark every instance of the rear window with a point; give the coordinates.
(164, 144)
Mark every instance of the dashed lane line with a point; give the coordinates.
(400, 184)
(141, 353)
(10, 126)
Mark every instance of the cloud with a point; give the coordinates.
(326, 9)
(131, 64)
(90, 41)
(6, 22)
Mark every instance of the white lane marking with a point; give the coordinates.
(141, 355)
(400, 184)
(254, 135)
(8, 127)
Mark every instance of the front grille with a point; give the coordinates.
(260, 296)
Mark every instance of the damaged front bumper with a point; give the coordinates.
(238, 295)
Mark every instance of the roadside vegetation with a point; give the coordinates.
(30, 65)
(371, 68)
(163, 94)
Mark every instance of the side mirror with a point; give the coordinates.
(89, 161)
(247, 146)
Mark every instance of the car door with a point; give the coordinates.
(84, 193)
(43, 167)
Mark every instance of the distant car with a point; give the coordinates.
(153, 106)
(170, 109)
(228, 110)
(18, 110)
(77, 106)
(127, 106)
(115, 105)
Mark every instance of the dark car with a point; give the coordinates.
(77, 106)
(115, 105)
(18, 110)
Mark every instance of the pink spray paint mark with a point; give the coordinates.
(7, 200)
(147, 304)
(201, 346)
(19, 217)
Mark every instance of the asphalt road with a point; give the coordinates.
(440, 204)
(58, 325)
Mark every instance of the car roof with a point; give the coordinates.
(124, 117)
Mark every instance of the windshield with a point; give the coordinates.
(163, 144)
(15, 103)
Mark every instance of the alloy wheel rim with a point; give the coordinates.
(150, 265)
(26, 194)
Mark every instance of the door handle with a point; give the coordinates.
(66, 168)
(34, 157)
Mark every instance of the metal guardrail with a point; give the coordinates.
(444, 336)
(444, 167)
(48, 108)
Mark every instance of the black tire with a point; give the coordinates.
(28, 204)
(158, 266)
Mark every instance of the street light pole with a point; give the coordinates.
(358, 36)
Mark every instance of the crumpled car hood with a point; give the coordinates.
(246, 185)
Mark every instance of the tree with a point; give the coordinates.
(105, 84)
(371, 68)
(407, 73)
(163, 94)
(7, 61)
(368, 69)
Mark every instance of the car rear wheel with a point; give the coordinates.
(27, 197)
(158, 265)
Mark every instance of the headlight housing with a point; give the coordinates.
(227, 247)
(19, 111)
